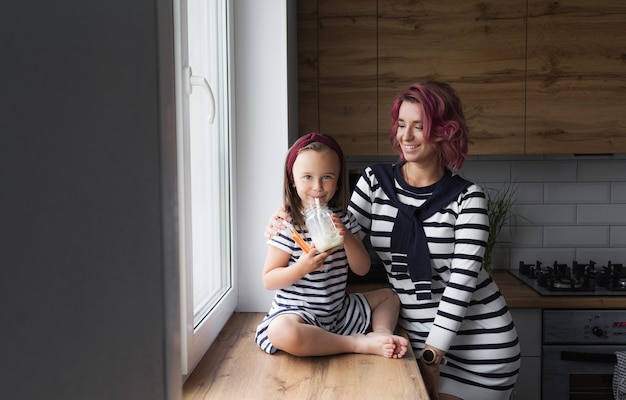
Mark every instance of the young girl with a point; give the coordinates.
(312, 315)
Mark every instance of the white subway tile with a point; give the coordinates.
(500, 258)
(576, 236)
(521, 236)
(486, 171)
(618, 192)
(545, 214)
(529, 193)
(543, 171)
(602, 170)
(575, 192)
(601, 214)
(618, 236)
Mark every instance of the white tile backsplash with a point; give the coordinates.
(602, 170)
(487, 171)
(577, 192)
(521, 236)
(545, 214)
(576, 236)
(543, 171)
(618, 236)
(529, 193)
(618, 192)
(602, 214)
(569, 207)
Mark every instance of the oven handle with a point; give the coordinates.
(588, 357)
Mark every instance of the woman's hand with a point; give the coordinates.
(275, 223)
(430, 372)
(430, 375)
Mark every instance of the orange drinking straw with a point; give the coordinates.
(297, 238)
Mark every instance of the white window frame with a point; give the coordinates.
(195, 340)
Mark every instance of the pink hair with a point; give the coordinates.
(442, 118)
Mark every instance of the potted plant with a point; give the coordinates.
(499, 204)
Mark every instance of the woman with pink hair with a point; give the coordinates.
(430, 227)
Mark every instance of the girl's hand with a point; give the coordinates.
(312, 261)
(276, 273)
(341, 228)
(275, 223)
(358, 257)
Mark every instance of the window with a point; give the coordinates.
(204, 163)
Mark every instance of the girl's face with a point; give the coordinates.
(410, 135)
(315, 175)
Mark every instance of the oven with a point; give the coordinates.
(579, 346)
(579, 353)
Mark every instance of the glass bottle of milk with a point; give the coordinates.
(323, 232)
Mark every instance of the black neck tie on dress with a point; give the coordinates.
(408, 235)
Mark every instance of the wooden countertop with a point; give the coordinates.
(235, 368)
(518, 295)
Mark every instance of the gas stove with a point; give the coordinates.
(575, 279)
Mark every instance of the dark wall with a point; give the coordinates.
(82, 288)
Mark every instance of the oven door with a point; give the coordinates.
(572, 372)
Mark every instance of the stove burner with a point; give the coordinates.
(561, 279)
(577, 278)
(612, 277)
(567, 284)
(560, 276)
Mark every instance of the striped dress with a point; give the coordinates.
(320, 297)
(466, 315)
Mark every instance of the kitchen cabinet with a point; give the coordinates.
(308, 99)
(576, 93)
(528, 325)
(354, 56)
(337, 72)
(535, 76)
(477, 47)
(530, 313)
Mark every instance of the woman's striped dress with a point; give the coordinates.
(466, 316)
(320, 297)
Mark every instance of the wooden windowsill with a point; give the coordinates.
(235, 368)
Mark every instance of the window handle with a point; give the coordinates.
(191, 80)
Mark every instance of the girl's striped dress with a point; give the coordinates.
(466, 315)
(320, 297)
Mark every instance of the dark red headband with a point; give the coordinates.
(307, 140)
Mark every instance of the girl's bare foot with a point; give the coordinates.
(402, 345)
(387, 345)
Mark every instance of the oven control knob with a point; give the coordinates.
(596, 330)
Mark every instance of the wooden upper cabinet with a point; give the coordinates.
(534, 76)
(478, 47)
(308, 99)
(347, 73)
(576, 95)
